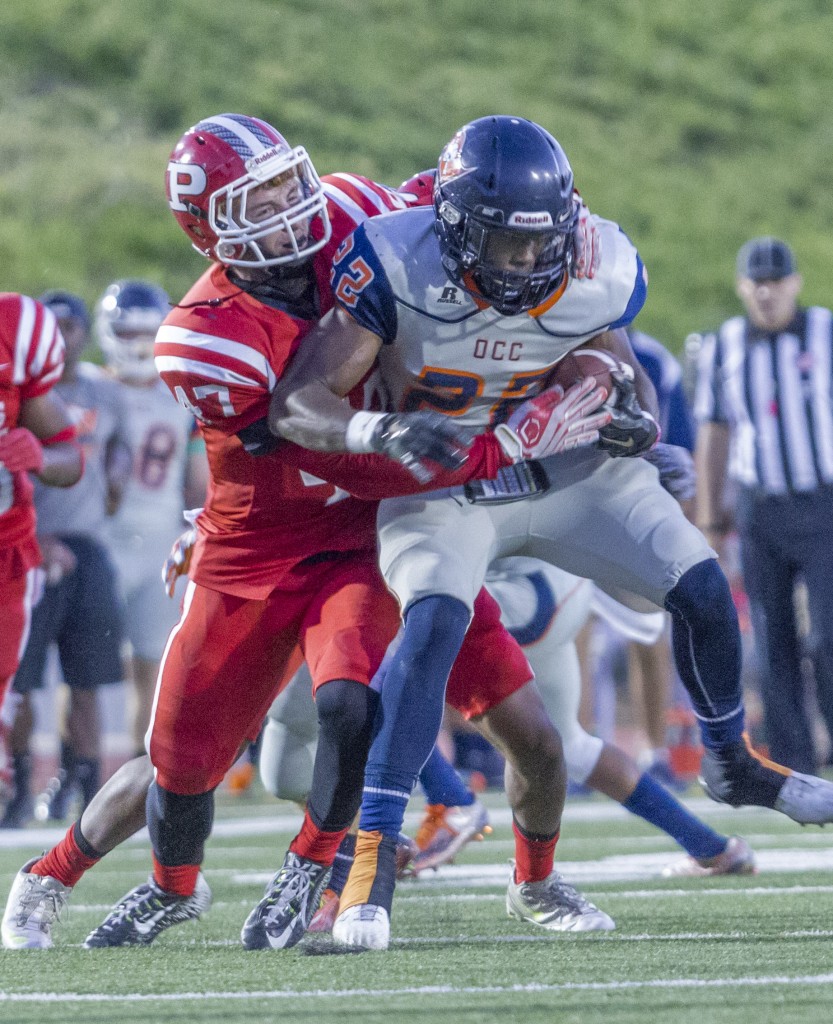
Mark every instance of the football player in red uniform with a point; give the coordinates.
(284, 556)
(36, 436)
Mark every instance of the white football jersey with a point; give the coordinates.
(448, 352)
(159, 433)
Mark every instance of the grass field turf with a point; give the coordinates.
(715, 950)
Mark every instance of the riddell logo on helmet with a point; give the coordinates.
(531, 220)
(266, 155)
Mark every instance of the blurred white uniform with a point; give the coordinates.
(542, 606)
(149, 519)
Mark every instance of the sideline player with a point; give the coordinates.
(468, 307)
(36, 436)
(80, 610)
(284, 556)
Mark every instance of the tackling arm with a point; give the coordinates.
(308, 404)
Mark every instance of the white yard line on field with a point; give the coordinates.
(421, 990)
(11, 839)
(618, 868)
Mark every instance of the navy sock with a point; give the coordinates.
(656, 805)
(441, 783)
(707, 650)
(410, 709)
(342, 863)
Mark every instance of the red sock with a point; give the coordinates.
(180, 880)
(315, 844)
(533, 857)
(67, 861)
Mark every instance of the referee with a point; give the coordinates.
(763, 405)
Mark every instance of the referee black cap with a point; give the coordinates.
(765, 259)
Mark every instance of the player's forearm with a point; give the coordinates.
(373, 477)
(63, 464)
(617, 343)
(312, 417)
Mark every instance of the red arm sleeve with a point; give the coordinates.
(374, 477)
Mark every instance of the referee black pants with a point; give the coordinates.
(785, 539)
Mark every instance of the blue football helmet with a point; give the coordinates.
(505, 212)
(127, 317)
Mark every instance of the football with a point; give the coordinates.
(589, 362)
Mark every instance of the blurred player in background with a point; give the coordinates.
(80, 610)
(37, 437)
(169, 474)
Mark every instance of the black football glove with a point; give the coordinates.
(411, 438)
(632, 430)
(258, 439)
(676, 469)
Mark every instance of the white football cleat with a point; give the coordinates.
(34, 904)
(554, 904)
(445, 831)
(736, 859)
(363, 926)
(806, 799)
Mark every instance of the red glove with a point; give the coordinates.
(21, 450)
(555, 421)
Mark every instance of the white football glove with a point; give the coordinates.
(178, 561)
(555, 421)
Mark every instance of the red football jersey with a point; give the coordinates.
(220, 351)
(31, 362)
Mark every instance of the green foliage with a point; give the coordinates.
(694, 126)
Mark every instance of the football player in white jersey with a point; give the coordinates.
(169, 475)
(468, 308)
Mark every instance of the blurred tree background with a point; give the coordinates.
(694, 126)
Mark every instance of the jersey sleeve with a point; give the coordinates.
(223, 383)
(373, 477)
(33, 342)
(361, 286)
(708, 393)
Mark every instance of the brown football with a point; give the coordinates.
(588, 362)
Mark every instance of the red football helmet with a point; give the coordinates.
(421, 186)
(212, 174)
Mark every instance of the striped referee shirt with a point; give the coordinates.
(774, 392)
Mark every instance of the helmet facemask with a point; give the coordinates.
(242, 218)
(472, 244)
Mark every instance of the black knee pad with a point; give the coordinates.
(346, 711)
(179, 825)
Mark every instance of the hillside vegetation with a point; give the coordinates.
(695, 126)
